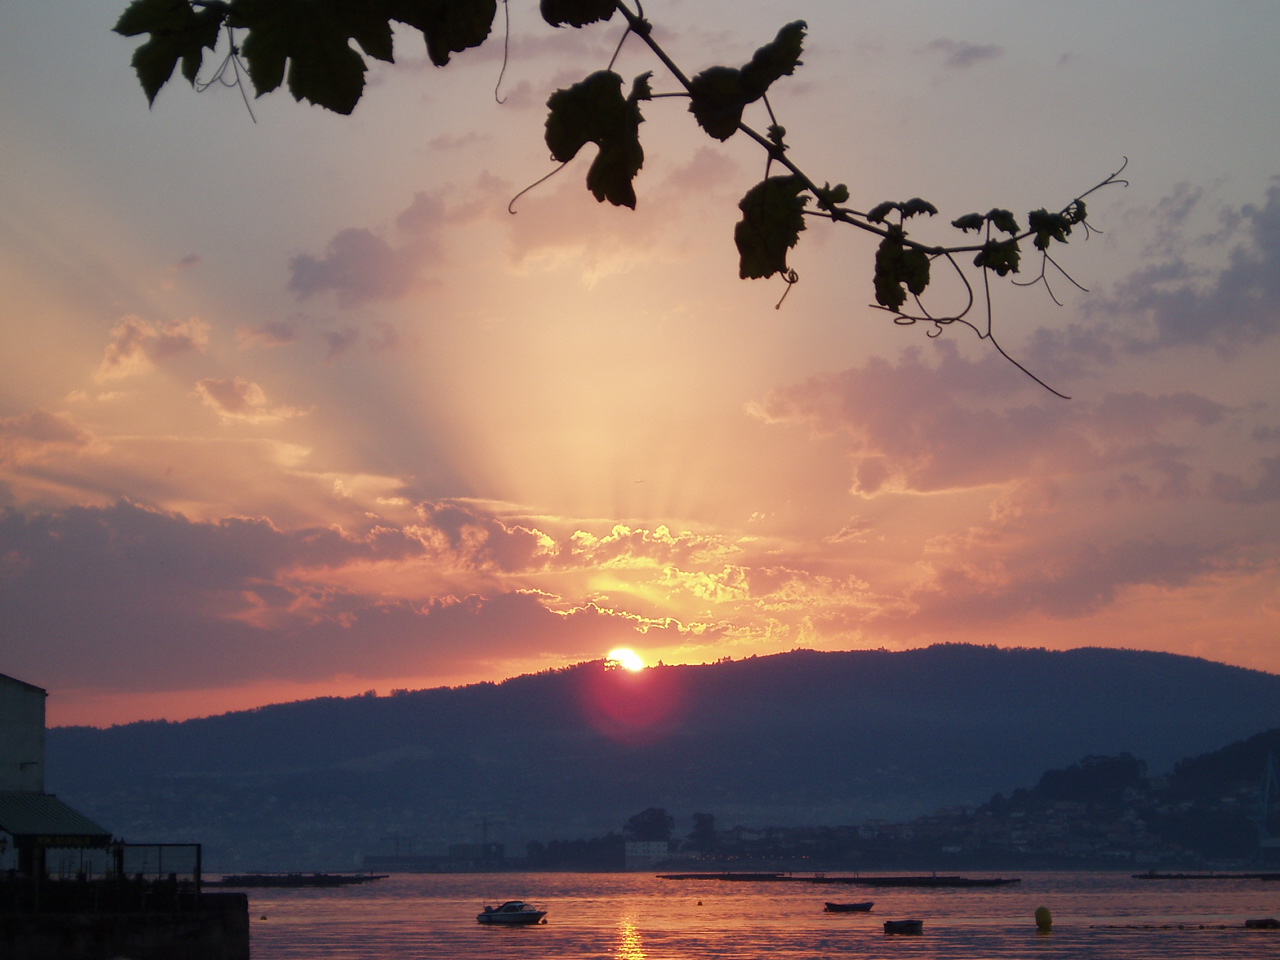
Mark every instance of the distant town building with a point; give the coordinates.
(646, 854)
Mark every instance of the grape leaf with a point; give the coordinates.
(772, 218)
(1048, 227)
(915, 206)
(449, 26)
(880, 211)
(898, 265)
(312, 36)
(774, 60)
(1002, 256)
(908, 208)
(178, 32)
(1003, 220)
(595, 111)
(576, 13)
(718, 95)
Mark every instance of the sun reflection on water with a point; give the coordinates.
(630, 946)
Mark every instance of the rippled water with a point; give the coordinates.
(640, 917)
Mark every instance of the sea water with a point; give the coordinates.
(642, 917)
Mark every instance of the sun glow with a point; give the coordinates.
(626, 658)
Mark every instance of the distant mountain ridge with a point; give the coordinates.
(801, 737)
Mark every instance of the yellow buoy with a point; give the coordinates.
(1044, 919)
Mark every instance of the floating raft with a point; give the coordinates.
(1152, 875)
(920, 881)
(294, 879)
(927, 881)
(745, 877)
(908, 927)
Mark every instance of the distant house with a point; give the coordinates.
(33, 822)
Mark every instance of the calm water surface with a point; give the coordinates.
(639, 917)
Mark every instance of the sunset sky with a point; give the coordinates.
(297, 408)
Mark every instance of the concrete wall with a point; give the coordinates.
(219, 931)
(21, 736)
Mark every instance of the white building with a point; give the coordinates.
(33, 822)
(21, 736)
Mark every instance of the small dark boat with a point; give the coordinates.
(849, 907)
(513, 912)
(904, 926)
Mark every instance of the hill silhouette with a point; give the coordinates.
(795, 738)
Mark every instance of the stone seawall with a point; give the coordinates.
(218, 929)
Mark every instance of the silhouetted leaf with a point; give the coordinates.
(970, 221)
(898, 266)
(915, 206)
(774, 60)
(1048, 227)
(881, 210)
(1002, 256)
(830, 197)
(717, 100)
(449, 26)
(595, 111)
(719, 94)
(312, 37)
(178, 32)
(576, 13)
(1003, 220)
(772, 218)
(369, 25)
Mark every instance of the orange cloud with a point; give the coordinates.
(137, 346)
(239, 399)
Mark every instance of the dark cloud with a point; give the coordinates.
(1178, 301)
(359, 266)
(238, 399)
(960, 54)
(480, 541)
(423, 215)
(136, 345)
(1228, 310)
(1236, 489)
(273, 333)
(134, 599)
(339, 342)
(40, 428)
(1076, 584)
(963, 423)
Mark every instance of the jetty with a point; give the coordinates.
(1153, 875)
(930, 880)
(243, 880)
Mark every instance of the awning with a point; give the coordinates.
(42, 820)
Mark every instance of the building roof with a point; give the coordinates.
(42, 820)
(22, 683)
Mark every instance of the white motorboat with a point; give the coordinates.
(512, 912)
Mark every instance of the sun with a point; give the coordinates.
(626, 658)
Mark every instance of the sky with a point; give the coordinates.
(291, 405)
